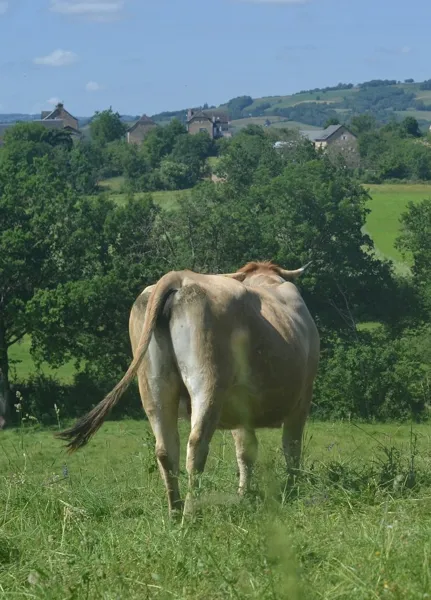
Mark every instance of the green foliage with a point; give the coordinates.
(312, 113)
(410, 127)
(237, 105)
(106, 126)
(361, 124)
(373, 377)
(331, 121)
(415, 239)
(72, 265)
(393, 152)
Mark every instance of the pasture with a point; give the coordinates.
(356, 524)
(388, 202)
(276, 122)
(115, 188)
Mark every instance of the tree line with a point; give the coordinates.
(72, 262)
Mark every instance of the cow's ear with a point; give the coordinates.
(290, 275)
(237, 276)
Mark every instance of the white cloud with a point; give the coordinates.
(3, 7)
(53, 101)
(93, 86)
(58, 58)
(405, 50)
(90, 9)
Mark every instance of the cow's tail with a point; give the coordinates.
(85, 428)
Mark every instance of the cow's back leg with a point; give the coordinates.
(160, 399)
(206, 408)
(293, 430)
(246, 454)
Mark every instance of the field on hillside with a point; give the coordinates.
(292, 99)
(356, 524)
(278, 122)
(387, 204)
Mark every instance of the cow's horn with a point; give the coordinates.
(294, 274)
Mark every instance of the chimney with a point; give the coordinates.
(190, 114)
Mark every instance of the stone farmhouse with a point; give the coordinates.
(59, 118)
(214, 122)
(139, 131)
(334, 137)
(61, 114)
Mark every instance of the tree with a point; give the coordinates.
(360, 124)
(193, 151)
(291, 209)
(160, 142)
(415, 241)
(36, 222)
(237, 105)
(410, 127)
(106, 126)
(331, 121)
(63, 257)
(86, 318)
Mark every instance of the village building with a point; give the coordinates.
(59, 118)
(139, 131)
(61, 114)
(214, 122)
(334, 136)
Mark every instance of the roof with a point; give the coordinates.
(51, 115)
(321, 135)
(209, 114)
(220, 115)
(144, 120)
(199, 114)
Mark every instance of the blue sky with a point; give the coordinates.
(145, 56)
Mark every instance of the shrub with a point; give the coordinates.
(372, 377)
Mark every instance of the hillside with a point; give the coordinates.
(384, 99)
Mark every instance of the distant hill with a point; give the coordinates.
(383, 98)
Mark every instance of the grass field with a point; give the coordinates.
(357, 523)
(22, 364)
(387, 205)
(293, 99)
(115, 187)
(420, 115)
(277, 122)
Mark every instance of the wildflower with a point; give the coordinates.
(33, 578)
(378, 553)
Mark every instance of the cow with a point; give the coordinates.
(236, 351)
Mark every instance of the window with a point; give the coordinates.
(202, 129)
(344, 137)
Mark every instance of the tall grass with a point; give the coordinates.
(355, 524)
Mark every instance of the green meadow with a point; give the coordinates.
(355, 524)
